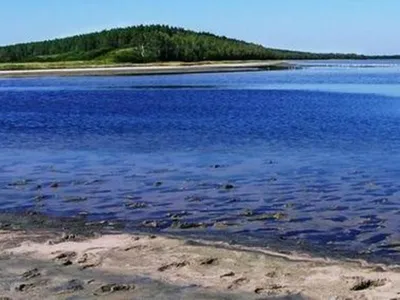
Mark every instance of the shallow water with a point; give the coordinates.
(307, 155)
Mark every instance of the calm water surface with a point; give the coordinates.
(308, 156)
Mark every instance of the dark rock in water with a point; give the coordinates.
(224, 224)
(134, 198)
(5, 225)
(136, 205)
(41, 197)
(20, 182)
(228, 186)
(216, 166)
(193, 198)
(268, 216)
(247, 213)
(114, 287)
(176, 216)
(187, 225)
(75, 199)
(150, 224)
(31, 274)
(54, 185)
(158, 183)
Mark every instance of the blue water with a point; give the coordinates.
(319, 146)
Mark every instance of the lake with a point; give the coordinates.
(305, 157)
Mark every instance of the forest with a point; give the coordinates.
(151, 43)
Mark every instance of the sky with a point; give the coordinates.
(350, 26)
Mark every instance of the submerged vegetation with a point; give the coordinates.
(150, 43)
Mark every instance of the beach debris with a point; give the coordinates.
(237, 282)
(176, 265)
(65, 258)
(363, 284)
(271, 274)
(136, 247)
(267, 289)
(114, 287)
(64, 237)
(259, 290)
(23, 287)
(229, 274)
(31, 274)
(70, 286)
(88, 260)
(209, 261)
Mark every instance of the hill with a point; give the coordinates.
(151, 43)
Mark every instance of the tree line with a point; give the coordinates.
(150, 43)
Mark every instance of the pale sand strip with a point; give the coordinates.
(214, 267)
(149, 70)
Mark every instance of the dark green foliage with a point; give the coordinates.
(149, 44)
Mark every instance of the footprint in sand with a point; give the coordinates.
(176, 265)
(238, 282)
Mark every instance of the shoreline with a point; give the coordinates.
(46, 264)
(152, 69)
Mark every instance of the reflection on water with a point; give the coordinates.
(320, 167)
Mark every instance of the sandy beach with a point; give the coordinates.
(151, 69)
(46, 265)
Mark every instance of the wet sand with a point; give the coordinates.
(38, 264)
(152, 69)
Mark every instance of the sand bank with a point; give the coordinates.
(40, 264)
(151, 69)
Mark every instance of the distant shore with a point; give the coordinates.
(144, 69)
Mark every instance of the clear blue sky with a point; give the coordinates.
(363, 26)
